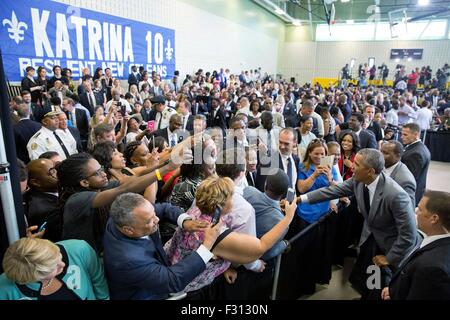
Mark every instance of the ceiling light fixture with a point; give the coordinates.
(423, 2)
(296, 23)
(279, 11)
(350, 21)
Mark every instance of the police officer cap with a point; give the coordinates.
(158, 100)
(52, 113)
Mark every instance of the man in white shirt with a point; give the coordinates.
(424, 118)
(118, 102)
(163, 113)
(49, 139)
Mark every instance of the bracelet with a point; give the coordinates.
(158, 175)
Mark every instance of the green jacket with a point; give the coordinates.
(83, 274)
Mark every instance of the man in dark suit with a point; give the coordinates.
(373, 126)
(425, 275)
(134, 77)
(216, 116)
(416, 157)
(41, 201)
(283, 159)
(23, 131)
(392, 152)
(89, 98)
(187, 118)
(147, 112)
(132, 239)
(37, 112)
(366, 137)
(251, 159)
(78, 119)
(389, 233)
(173, 134)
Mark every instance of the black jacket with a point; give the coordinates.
(425, 275)
(23, 131)
(261, 177)
(417, 158)
(84, 100)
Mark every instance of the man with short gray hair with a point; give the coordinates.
(136, 265)
(389, 233)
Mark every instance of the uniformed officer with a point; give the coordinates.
(163, 112)
(48, 139)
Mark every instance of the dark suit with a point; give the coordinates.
(27, 84)
(391, 219)
(148, 116)
(82, 122)
(261, 177)
(417, 158)
(23, 131)
(366, 139)
(138, 269)
(189, 123)
(43, 207)
(219, 120)
(181, 134)
(425, 275)
(37, 112)
(405, 179)
(133, 79)
(76, 135)
(85, 102)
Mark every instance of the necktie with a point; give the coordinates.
(184, 122)
(160, 120)
(269, 143)
(250, 180)
(91, 101)
(289, 171)
(61, 144)
(172, 141)
(367, 199)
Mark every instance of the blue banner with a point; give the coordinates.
(47, 33)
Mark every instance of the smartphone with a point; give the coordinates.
(151, 125)
(42, 227)
(290, 195)
(216, 216)
(123, 110)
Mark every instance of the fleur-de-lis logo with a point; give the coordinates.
(169, 51)
(15, 28)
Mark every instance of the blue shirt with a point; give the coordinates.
(312, 212)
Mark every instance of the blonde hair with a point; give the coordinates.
(212, 192)
(28, 260)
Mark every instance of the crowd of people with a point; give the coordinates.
(181, 185)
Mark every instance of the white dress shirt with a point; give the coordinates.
(388, 171)
(294, 169)
(427, 240)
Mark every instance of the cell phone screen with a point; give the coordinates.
(290, 195)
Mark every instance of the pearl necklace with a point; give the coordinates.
(49, 283)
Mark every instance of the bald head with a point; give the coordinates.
(175, 122)
(42, 175)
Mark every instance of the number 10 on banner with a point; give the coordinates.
(157, 43)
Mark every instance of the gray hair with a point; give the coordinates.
(121, 211)
(373, 159)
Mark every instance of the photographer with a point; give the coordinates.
(122, 105)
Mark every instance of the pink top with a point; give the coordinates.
(183, 243)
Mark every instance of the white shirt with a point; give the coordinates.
(430, 239)
(44, 140)
(164, 117)
(372, 187)
(424, 118)
(68, 139)
(172, 136)
(124, 103)
(392, 117)
(388, 171)
(294, 169)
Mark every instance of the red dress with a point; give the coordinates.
(346, 172)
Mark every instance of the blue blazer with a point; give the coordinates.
(138, 269)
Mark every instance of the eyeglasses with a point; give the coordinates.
(52, 172)
(97, 173)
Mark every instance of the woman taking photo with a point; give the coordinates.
(37, 269)
(85, 193)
